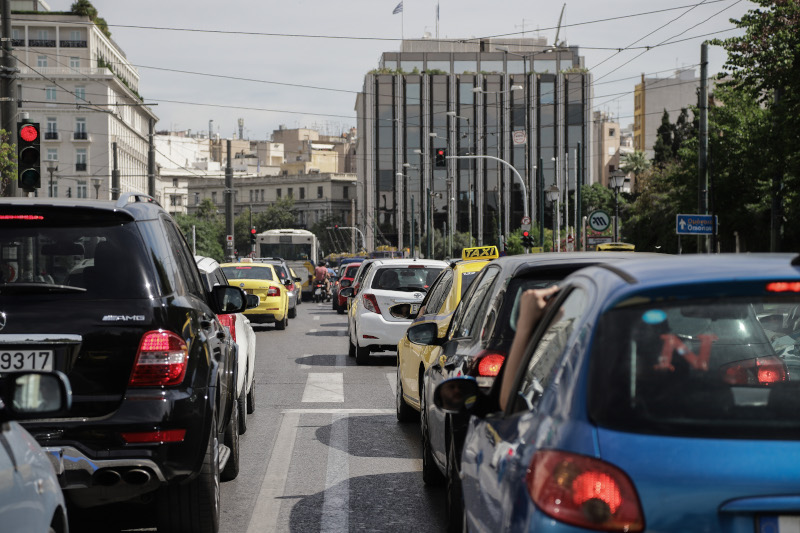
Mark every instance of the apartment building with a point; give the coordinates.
(77, 83)
(502, 102)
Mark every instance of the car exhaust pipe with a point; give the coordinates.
(107, 477)
(137, 476)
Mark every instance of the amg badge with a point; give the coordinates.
(123, 318)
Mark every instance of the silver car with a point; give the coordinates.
(30, 498)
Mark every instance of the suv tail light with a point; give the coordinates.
(762, 370)
(229, 321)
(584, 491)
(370, 303)
(151, 437)
(489, 363)
(162, 360)
(273, 291)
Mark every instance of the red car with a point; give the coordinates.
(340, 302)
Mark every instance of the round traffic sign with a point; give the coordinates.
(526, 220)
(599, 220)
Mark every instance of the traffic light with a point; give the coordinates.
(441, 158)
(527, 240)
(336, 226)
(253, 235)
(28, 156)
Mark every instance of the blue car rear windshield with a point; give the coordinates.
(722, 368)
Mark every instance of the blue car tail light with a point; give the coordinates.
(584, 492)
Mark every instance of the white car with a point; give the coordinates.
(244, 337)
(31, 499)
(388, 282)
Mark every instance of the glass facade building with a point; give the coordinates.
(516, 118)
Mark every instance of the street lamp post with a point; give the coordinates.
(52, 166)
(97, 181)
(617, 181)
(553, 195)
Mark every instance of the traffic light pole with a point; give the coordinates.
(506, 163)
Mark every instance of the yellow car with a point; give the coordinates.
(262, 280)
(438, 306)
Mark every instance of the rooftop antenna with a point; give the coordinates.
(558, 29)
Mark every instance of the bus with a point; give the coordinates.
(298, 247)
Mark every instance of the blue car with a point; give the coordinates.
(650, 398)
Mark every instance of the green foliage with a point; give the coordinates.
(514, 243)
(208, 232)
(8, 162)
(86, 9)
(663, 147)
(333, 241)
(635, 163)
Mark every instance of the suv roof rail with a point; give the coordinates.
(133, 197)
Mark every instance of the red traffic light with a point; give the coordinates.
(28, 133)
(252, 231)
(526, 233)
(440, 151)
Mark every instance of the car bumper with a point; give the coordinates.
(270, 310)
(374, 330)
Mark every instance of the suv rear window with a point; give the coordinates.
(247, 272)
(698, 368)
(405, 278)
(99, 259)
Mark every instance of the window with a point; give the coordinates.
(251, 195)
(439, 292)
(52, 128)
(43, 35)
(75, 35)
(74, 62)
(80, 160)
(345, 192)
(50, 94)
(82, 190)
(214, 196)
(41, 61)
(319, 192)
(52, 154)
(278, 193)
(612, 132)
(302, 193)
(262, 195)
(548, 350)
(80, 129)
(197, 198)
(290, 192)
(80, 94)
(471, 313)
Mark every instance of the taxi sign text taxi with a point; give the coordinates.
(480, 252)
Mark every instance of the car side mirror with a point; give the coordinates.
(457, 395)
(425, 334)
(347, 292)
(298, 279)
(226, 299)
(253, 301)
(287, 282)
(346, 283)
(27, 395)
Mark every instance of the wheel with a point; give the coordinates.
(194, 505)
(431, 475)
(241, 406)
(293, 312)
(351, 350)
(283, 323)
(455, 500)
(232, 442)
(251, 398)
(404, 411)
(340, 310)
(362, 355)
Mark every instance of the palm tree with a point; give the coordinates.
(635, 163)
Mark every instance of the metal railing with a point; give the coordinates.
(51, 135)
(80, 136)
(80, 167)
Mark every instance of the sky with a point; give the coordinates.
(292, 72)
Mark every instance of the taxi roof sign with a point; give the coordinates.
(480, 252)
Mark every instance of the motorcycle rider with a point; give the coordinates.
(321, 274)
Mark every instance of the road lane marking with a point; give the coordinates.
(343, 411)
(304, 366)
(268, 504)
(316, 317)
(324, 387)
(312, 331)
(336, 502)
(392, 377)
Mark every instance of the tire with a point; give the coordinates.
(195, 505)
(351, 350)
(232, 442)
(404, 411)
(293, 312)
(340, 310)
(283, 323)
(251, 398)
(455, 499)
(431, 475)
(362, 355)
(241, 406)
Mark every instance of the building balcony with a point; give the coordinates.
(80, 136)
(64, 71)
(51, 136)
(42, 43)
(80, 167)
(72, 44)
(17, 42)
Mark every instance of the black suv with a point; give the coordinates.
(109, 294)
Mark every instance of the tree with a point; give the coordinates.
(86, 9)
(281, 214)
(664, 142)
(8, 163)
(635, 163)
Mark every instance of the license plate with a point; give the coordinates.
(778, 524)
(22, 360)
(414, 308)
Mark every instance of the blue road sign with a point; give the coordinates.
(694, 224)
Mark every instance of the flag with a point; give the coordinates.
(398, 9)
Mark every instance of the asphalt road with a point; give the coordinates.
(324, 450)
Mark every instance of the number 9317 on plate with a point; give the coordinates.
(25, 360)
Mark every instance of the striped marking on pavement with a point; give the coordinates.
(324, 387)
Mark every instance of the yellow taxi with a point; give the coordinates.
(262, 280)
(438, 306)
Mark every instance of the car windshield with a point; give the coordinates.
(703, 368)
(247, 272)
(405, 278)
(91, 261)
